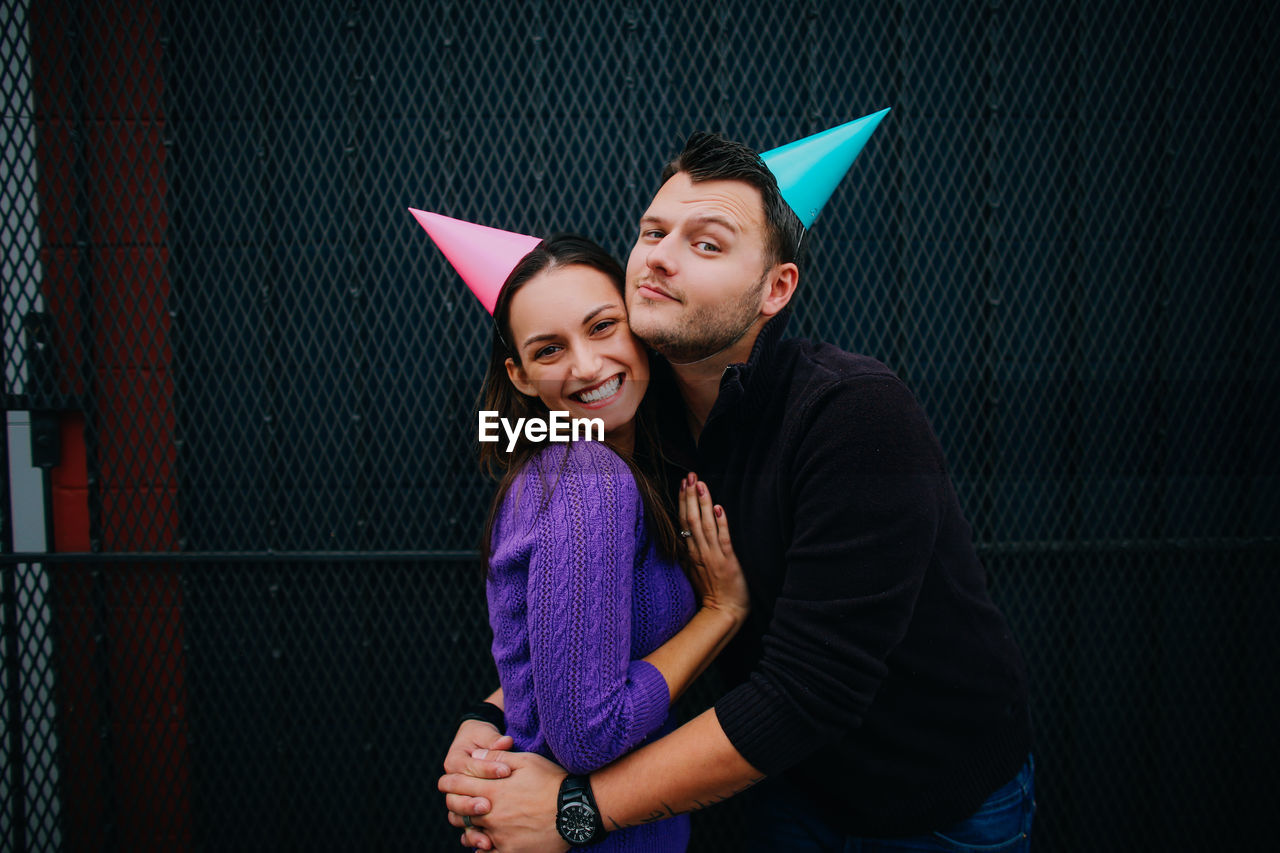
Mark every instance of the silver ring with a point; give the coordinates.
(685, 534)
(466, 821)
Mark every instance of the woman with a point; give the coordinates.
(596, 627)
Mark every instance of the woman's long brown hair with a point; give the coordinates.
(497, 394)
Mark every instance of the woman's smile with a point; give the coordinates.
(601, 394)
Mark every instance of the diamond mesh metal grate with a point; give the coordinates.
(241, 606)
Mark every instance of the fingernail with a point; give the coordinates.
(702, 489)
(480, 754)
(719, 511)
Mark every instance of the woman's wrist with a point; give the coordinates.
(736, 615)
(727, 621)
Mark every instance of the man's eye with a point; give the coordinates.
(652, 234)
(704, 246)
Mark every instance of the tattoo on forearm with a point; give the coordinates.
(698, 805)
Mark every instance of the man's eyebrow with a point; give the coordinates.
(696, 222)
(714, 219)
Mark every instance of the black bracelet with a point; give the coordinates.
(486, 712)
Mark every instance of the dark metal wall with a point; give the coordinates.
(257, 610)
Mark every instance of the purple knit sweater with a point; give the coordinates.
(578, 594)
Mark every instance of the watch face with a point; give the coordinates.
(576, 823)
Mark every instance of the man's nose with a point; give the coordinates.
(661, 257)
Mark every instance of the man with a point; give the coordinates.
(881, 692)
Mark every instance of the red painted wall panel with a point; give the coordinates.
(101, 180)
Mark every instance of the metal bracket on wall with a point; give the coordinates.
(46, 447)
(38, 337)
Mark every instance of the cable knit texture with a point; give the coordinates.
(578, 594)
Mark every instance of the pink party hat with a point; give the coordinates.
(483, 256)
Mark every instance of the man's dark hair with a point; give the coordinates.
(712, 157)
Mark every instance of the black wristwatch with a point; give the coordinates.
(577, 819)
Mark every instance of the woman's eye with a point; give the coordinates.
(550, 349)
(602, 325)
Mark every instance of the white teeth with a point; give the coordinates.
(608, 389)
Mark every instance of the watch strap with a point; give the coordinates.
(577, 790)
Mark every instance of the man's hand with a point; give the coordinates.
(514, 815)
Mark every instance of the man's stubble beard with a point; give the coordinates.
(705, 332)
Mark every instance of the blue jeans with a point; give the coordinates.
(784, 821)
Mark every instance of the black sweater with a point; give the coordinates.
(875, 671)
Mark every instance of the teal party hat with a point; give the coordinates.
(808, 170)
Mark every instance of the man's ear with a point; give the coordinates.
(516, 374)
(783, 279)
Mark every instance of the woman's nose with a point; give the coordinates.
(586, 362)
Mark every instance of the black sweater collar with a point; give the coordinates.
(741, 383)
(744, 381)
